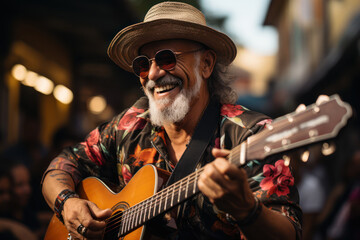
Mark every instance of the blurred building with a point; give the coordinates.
(319, 53)
(54, 64)
(319, 50)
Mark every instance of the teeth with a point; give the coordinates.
(164, 88)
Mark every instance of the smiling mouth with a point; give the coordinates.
(166, 88)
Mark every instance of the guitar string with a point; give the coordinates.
(160, 196)
(134, 212)
(154, 200)
(165, 192)
(110, 227)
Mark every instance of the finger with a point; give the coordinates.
(300, 108)
(87, 233)
(321, 99)
(214, 181)
(95, 225)
(209, 188)
(217, 152)
(99, 214)
(72, 227)
(228, 170)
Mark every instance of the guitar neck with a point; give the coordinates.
(316, 123)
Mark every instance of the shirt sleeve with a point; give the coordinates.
(95, 156)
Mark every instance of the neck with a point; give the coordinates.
(179, 134)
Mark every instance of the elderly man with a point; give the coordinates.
(180, 63)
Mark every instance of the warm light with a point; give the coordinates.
(44, 85)
(286, 160)
(97, 104)
(19, 72)
(63, 94)
(30, 79)
(328, 149)
(305, 156)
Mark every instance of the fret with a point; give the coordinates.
(123, 223)
(141, 212)
(145, 209)
(169, 203)
(166, 198)
(195, 182)
(172, 196)
(128, 221)
(242, 153)
(154, 208)
(179, 191)
(187, 187)
(150, 204)
(160, 201)
(132, 220)
(137, 215)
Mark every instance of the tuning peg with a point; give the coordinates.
(328, 148)
(305, 156)
(300, 108)
(286, 160)
(321, 99)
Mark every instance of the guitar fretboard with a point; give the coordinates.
(169, 197)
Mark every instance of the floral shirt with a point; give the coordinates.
(116, 150)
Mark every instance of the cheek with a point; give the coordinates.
(183, 73)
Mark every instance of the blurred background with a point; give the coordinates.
(57, 83)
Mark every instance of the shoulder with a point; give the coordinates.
(134, 117)
(238, 123)
(241, 116)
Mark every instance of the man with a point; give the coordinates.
(179, 61)
(9, 227)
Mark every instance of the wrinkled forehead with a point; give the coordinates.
(177, 45)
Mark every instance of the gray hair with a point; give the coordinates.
(220, 85)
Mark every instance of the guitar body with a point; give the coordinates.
(144, 184)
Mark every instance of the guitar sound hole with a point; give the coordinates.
(113, 225)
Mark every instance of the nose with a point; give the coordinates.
(155, 72)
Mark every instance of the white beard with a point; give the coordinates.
(160, 113)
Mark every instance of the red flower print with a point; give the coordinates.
(231, 110)
(277, 179)
(143, 156)
(130, 121)
(126, 173)
(92, 149)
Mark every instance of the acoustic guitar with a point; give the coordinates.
(141, 201)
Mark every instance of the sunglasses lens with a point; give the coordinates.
(165, 59)
(141, 66)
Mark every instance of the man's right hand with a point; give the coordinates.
(78, 211)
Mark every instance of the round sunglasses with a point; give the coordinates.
(165, 59)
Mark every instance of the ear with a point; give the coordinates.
(208, 63)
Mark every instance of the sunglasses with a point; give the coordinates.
(165, 59)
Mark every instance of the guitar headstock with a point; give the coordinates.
(318, 122)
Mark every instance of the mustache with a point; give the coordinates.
(166, 80)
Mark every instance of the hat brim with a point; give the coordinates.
(126, 44)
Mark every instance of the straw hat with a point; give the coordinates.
(169, 20)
